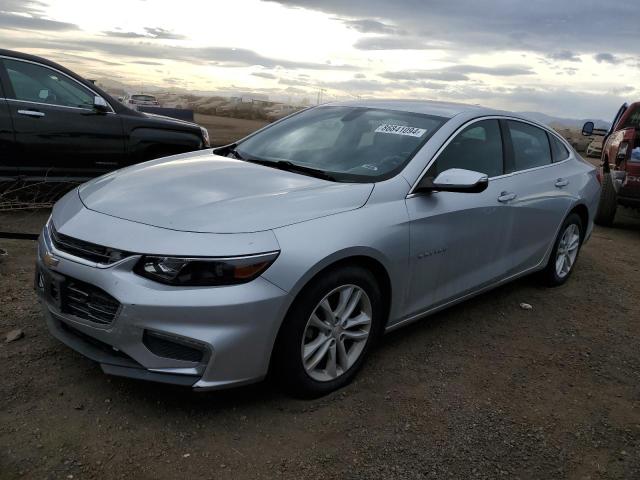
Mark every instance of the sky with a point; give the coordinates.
(567, 58)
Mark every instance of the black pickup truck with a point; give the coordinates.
(56, 124)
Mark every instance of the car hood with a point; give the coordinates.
(167, 120)
(201, 192)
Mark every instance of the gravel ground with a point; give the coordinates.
(483, 390)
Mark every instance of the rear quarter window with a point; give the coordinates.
(558, 150)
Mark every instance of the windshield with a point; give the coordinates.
(352, 144)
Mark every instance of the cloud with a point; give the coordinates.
(367, 25)
(161, 33)
(29, 15)
(267, 75)
(607, 58)
(458, 73)
(146, 62)
(119, 34)
(151, 32)
(220, 56)
(472, 25)
(392, 43)
(564, 56)
(12, 21)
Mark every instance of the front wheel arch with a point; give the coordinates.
(368, 263)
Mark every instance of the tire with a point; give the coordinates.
(608, 202)
(551, 274)
(298, 333)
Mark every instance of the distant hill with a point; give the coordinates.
(564, 122)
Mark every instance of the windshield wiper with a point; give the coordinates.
(229, 149)
(233, 151)
(294, 167)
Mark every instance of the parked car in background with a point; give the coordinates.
(295, 248)
(56, 124)
(620, 169)
(143, 99)
(594, 149)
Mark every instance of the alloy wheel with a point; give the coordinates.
(567, 250)
(336, 333)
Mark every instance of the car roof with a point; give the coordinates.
(427, 107)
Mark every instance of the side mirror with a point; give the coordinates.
(100, 104)
(455, 180)
(587, 129)
(120, 99)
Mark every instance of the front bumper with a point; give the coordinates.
(234, 327)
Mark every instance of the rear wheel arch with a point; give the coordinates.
(583, 212)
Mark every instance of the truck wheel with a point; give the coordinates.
(608, 202)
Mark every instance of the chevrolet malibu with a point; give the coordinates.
(294, 249)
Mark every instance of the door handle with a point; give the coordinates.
(506, 197)
(562, 182)
(31, 113)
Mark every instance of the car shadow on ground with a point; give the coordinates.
(267, 393)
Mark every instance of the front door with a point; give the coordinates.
(8, 160)
(57, 130)
(458, 239)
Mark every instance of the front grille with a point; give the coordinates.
(163, 347)
(88, 302)
(87, 250)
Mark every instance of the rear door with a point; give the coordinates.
(541, 192)
(57, 130)
(458, 239)
(8, 159)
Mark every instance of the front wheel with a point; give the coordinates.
(565, 251)
(328, 332)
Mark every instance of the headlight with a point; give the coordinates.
(205, 137)
(200, 271)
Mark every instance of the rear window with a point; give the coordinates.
(530, 146)
(633, 119)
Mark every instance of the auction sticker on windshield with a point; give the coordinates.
(400, 130)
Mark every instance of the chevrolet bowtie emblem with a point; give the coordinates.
(49, 260)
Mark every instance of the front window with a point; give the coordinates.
(478, 148)
(349, 143)
(35, 83)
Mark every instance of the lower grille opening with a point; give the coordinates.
(94, 342)
(164, 346)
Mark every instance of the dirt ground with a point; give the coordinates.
(483, 390)
(225, 130)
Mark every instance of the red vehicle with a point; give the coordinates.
(620, 170)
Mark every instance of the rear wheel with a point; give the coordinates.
(608, 202)
(565, 251)
(328, 332)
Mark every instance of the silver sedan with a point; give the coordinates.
(295, 249)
